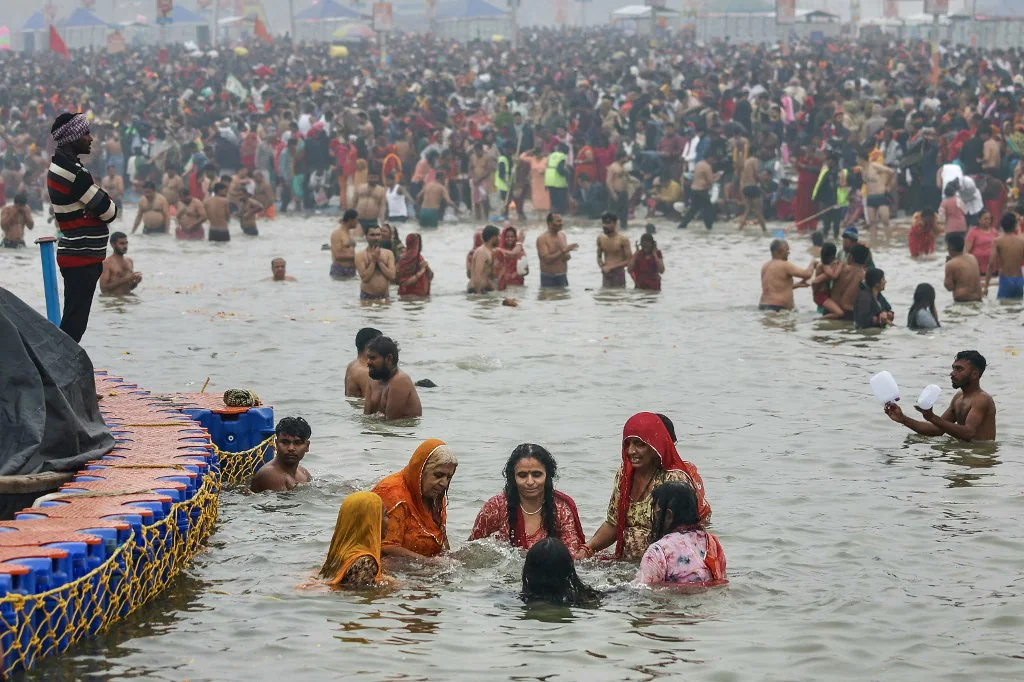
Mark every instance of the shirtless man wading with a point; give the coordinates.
(777, 277)
(963, 276)
(357, 374)
(343, 247)
(482, 279)
(154, 212)
(613, 252)
(291, 443)
(430, 199)
(371, 200)
(218, 212)
(13, 221)
(972, 414)
(392, 392)
(1008, 259)
(376, 267)
(554, 254)
(119, 277)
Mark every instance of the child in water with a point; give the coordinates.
(824, 274)
(549, 574)
(685, 553)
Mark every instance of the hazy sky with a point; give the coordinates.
(531, 12)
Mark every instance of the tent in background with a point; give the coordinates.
(470, 20)
(83, 29)
(321, 20)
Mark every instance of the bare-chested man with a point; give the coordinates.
(753, 207)
(1007, 258)
(430, 198)
(371, 202)
(154, 212)
(847, 284)
(554, 254)
(291, 443)
(376, 267)
(392, 392)
(879, 181)
(240, 184)
(218, 212)
(113, 185)
(481, 276)
(963, 276)
(14, 219)
(618, 187)
(777, 277)
(279, 271)
(613, 252)
(480, 173)
(191, 216)
(172, 187)
(262, 191)
(357, 374)
(343, 247)
(119, 277)
(972, 414)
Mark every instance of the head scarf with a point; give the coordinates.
(356, 534)
(76, 128)
(409, 263)
(402, 494)
(649, 428)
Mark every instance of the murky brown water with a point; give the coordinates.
(856, 551)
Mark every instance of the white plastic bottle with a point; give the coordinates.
(929, 396)
(885, 388)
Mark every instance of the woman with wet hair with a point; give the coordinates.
(549, 574)
(683, 553)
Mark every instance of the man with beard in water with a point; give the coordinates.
(119, 277)
(972, 414)
(392, 393)
(613, 252)
(376, 268)
(357, 374)
(291, 443)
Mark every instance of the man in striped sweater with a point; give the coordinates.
(82, 210)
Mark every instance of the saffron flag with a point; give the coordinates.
(261, 31)
(57, 43)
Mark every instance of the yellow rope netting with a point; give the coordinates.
(38, 625)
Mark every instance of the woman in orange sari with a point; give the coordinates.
(416, 502)
(586, 162)
(354, 557)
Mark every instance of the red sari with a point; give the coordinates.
(649, 428)
(506, 261)
(921, 238)
(493, 520)
(805, 206)
(645, 271)
(586, 164)
(409, 264)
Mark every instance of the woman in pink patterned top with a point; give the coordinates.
(685, 553)
(530, 509)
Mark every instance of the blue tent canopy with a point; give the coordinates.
(326, 10)
(468, 9)
(83, 18)
(181, 15)
(1004, 9)
(36, 22)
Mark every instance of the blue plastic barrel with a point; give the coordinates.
(236, 432)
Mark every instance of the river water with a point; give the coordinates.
(856, 550)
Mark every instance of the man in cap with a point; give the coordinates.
(82, 211)
(850, 240)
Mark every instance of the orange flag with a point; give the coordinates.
(57, 44)
(261, 32)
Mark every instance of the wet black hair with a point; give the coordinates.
(859, 254)
(1008, 222)
(294, 426)
(609, 217)
(549, 574)
(676, 497)
(149, 185)
(818, 238)
(548, 515)
(950, 190)
(350, 214)
(117, 236)
(924, 299)
(955, 241)
(975, 358)
(669, 426)
(873, 276)
(384, 346)
(828, 253)
(489, 233)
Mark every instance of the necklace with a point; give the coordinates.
(533, 513)
(643, 491)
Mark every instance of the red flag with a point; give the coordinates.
(261, 32)
(57, 43)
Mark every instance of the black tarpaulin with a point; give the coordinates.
(49, 420)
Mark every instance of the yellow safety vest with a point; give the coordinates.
(499, 184)
(552, 178)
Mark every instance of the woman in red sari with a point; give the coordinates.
(649, 458)
(506, 259)
(414, 273)
(586, 162)
(804, 207)
(530, 509)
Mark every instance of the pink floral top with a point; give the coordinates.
(676, 558)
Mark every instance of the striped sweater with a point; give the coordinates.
(82, 211)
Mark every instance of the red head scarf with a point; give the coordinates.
(409, 263)
(649, 428)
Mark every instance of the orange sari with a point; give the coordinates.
(411, 524)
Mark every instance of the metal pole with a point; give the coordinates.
(49, 259)
(291, 21)
(515, 24)
(216, 22)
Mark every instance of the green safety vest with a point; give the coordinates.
(499, 184)
(552, 178)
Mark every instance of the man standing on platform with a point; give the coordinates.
(82, 211)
